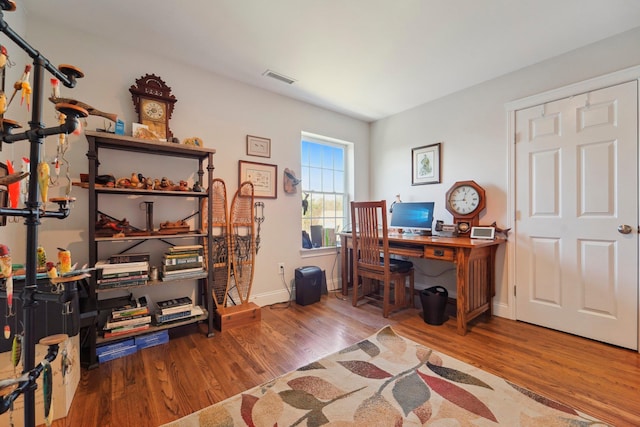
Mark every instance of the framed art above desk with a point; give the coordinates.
(475, 268)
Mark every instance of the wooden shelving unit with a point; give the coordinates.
(99, 141)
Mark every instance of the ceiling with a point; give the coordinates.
(368, 59)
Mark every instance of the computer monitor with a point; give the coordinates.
(413, 217)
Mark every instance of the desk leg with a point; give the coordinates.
(462, 261)
(345, 265)
(492, 281)
(475, 284)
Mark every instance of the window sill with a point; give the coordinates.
(323, 251)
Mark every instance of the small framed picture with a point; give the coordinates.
(425, 164)
(258, 146)
(263, 176)
(140, 131)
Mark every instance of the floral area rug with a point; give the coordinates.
(387, 380)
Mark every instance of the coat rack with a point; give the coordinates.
(32, 212)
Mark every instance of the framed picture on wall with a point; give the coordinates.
(263, 176)
(258, 146)
(425, 164)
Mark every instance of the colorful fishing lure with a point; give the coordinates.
(65, 364)
(9, 285)
(14, 188)
(16, 350)
(24, 184)
(6, 268)
(43, 180)
(47, 384)
(42, 257)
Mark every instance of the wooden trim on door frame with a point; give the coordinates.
(596, 83)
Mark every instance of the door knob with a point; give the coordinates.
(624, 229)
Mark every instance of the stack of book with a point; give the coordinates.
(133, 257)
(182, 262)
(127, 320)
(117, 274)
(176, 309)
(115, 350)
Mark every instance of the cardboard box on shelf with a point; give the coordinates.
(64, 386)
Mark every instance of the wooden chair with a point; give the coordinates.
(371, 260)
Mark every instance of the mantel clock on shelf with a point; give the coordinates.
(465, 200)
(154, 104)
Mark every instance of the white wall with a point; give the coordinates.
(220, 111)
(472, 125)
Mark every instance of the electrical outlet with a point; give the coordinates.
(281, 268)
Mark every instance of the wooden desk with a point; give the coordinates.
(475, 266)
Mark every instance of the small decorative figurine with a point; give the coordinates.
(24, 86)
(42, 257)
(193, 141)
(64, 260)
(290, 181)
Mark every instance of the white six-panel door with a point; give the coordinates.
(577, 215)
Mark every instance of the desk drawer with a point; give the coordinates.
(439, 252)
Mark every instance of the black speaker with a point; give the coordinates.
(316, 236)
(308, 285)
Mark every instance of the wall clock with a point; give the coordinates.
(154, 103)
(465, 200)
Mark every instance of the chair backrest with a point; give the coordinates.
(369, 235)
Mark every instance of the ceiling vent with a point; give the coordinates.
(278, 76)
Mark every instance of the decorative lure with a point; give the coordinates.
(55, 88)
(62, 137)
(52, 271)
(43, 180)
(3, 103)
(64, 260)
(4, 56)
(47, 383)
(56, 169)
(6, 268)
(65, 364)
(24, 184)
(16, 351)
(63, 145)
(9, 287)
(5, 260)
(305, 204)
(92, 111)
(24, 86)
(14, 188)
(42, 257)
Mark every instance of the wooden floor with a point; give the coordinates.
(163, 383)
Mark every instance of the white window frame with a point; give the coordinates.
(349, 176)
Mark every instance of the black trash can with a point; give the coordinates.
(434, 303)
(308, 285)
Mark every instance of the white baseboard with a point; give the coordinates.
(269, 298)
(282, 295)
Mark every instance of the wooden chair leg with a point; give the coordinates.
(385, 299)
(354, 296)
(411, 290)
(399, 293)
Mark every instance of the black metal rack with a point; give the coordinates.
(32, 212)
